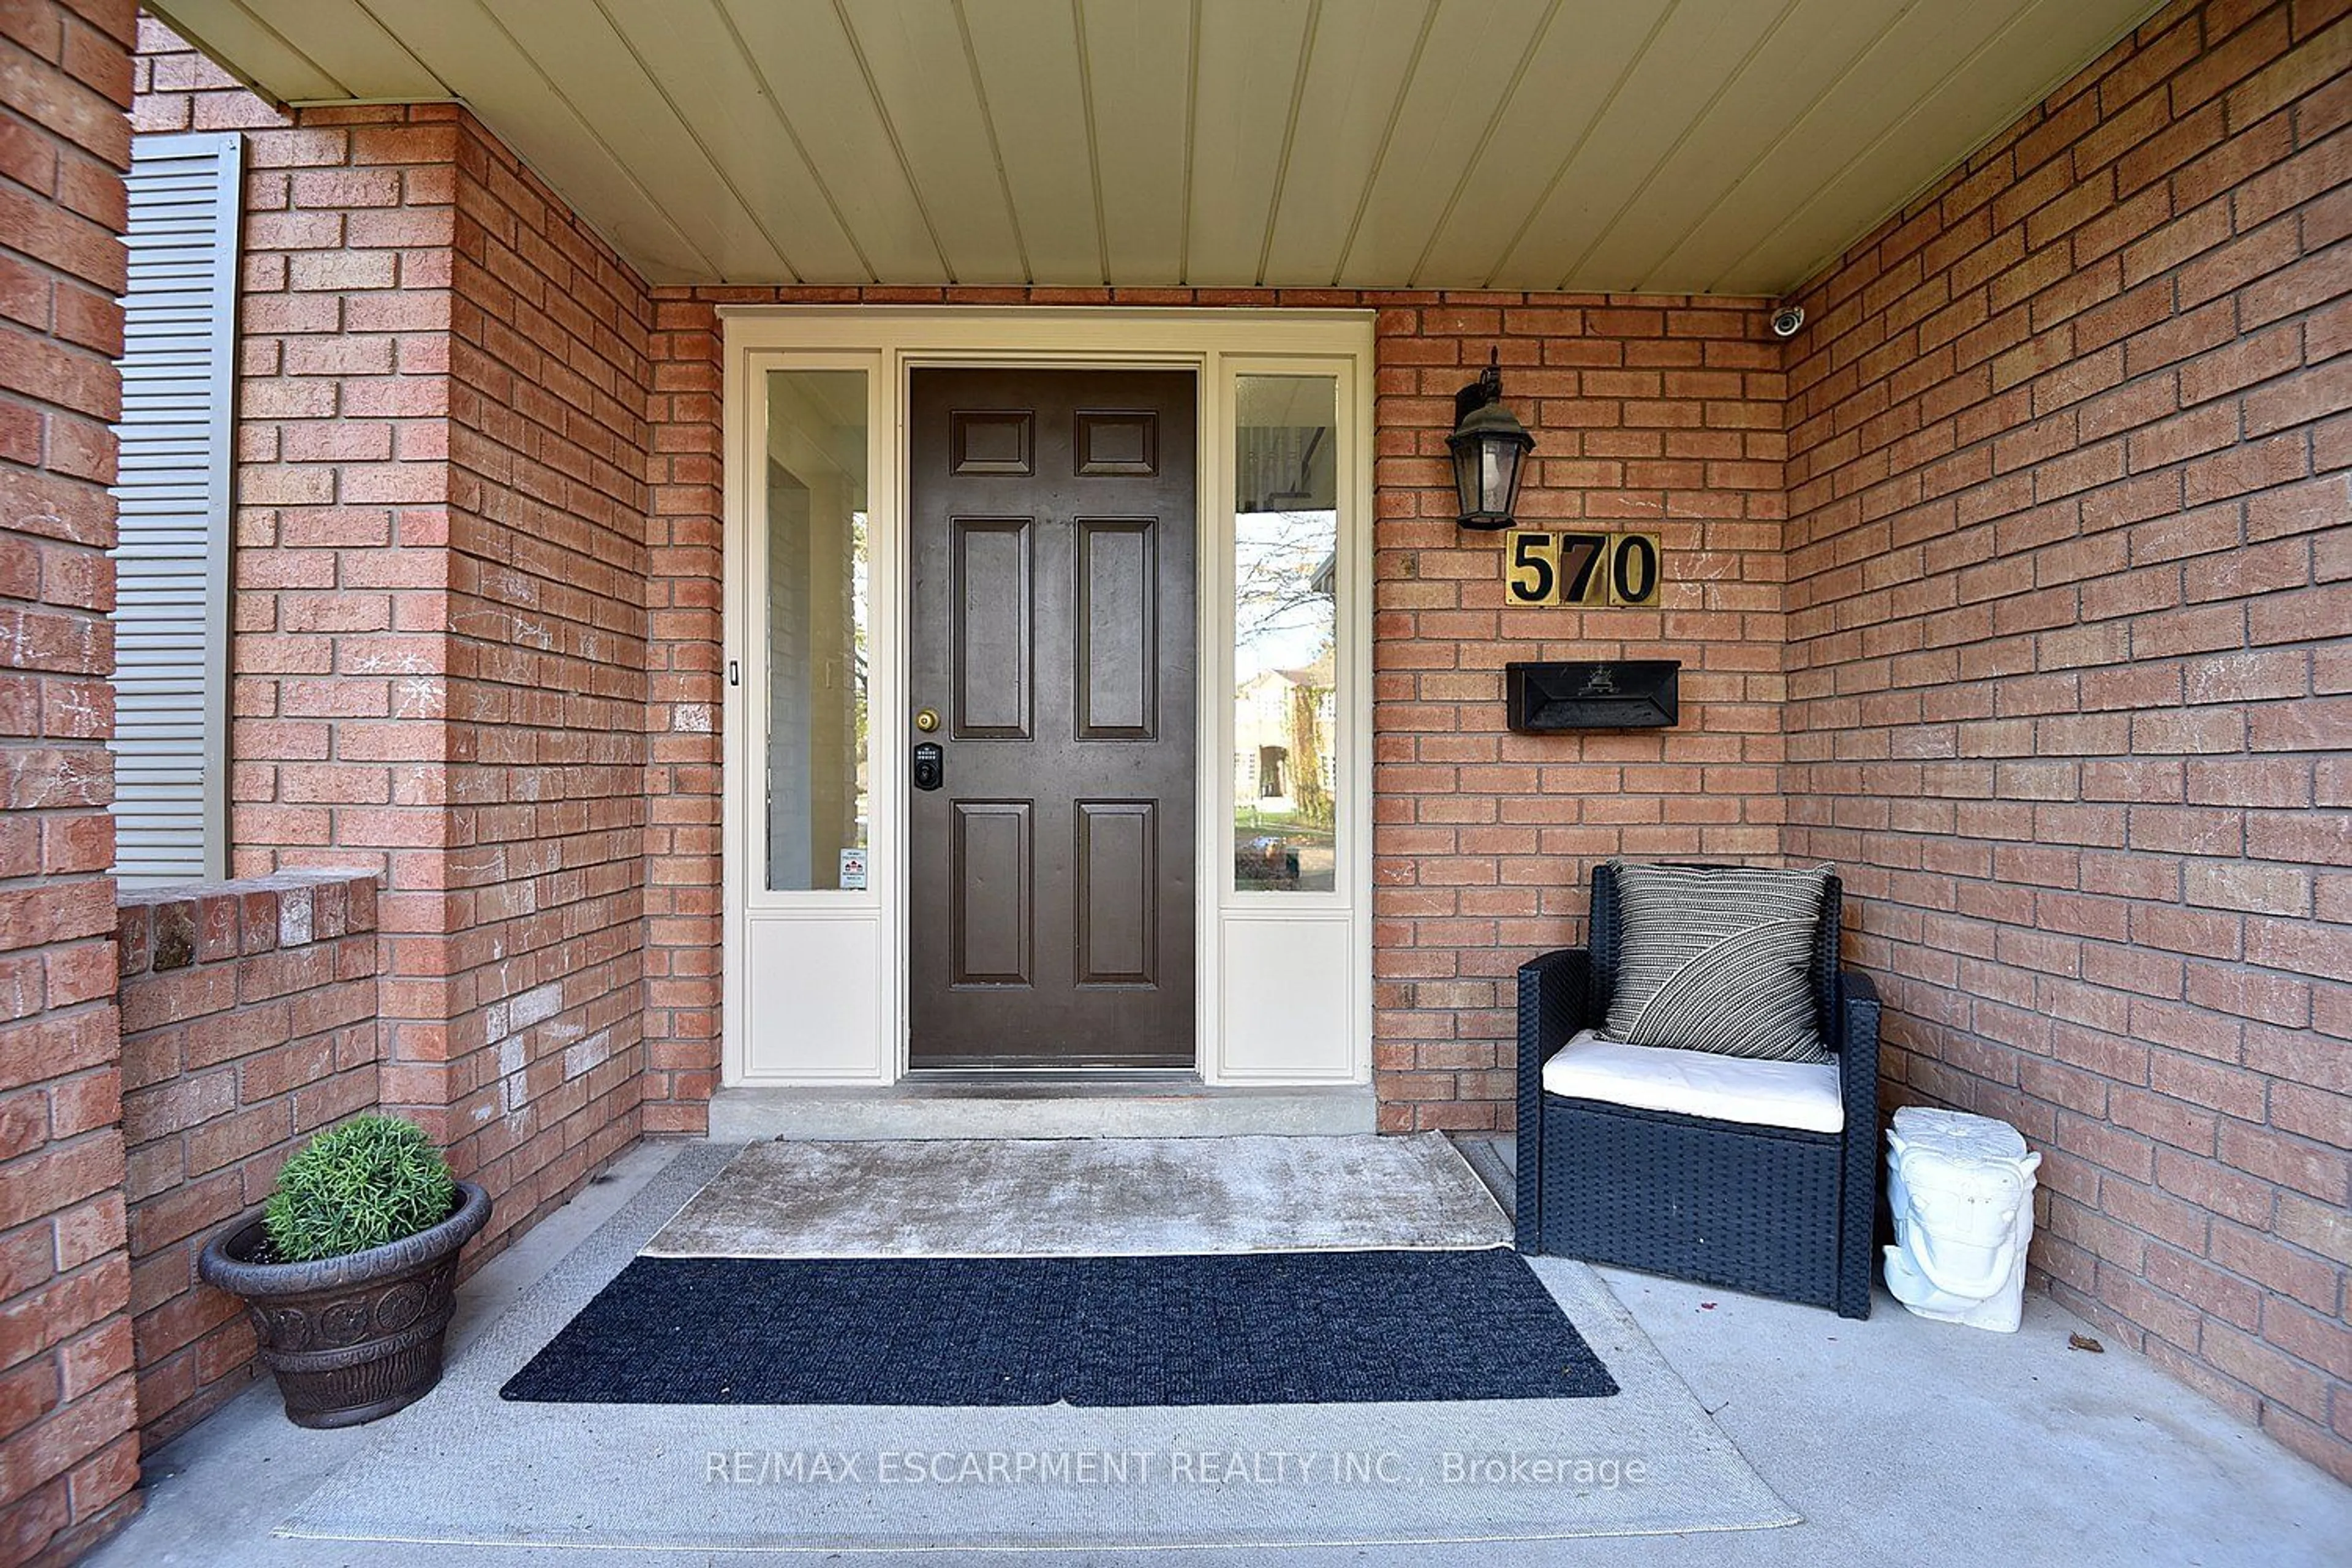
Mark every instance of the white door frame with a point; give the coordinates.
(1284, 978)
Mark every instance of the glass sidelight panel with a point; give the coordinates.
(818, 796)
(1285, 758)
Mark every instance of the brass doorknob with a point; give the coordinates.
(927, 719)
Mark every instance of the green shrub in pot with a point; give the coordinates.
(349, 1271)
(374, 1180)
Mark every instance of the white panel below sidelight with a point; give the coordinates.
(1290, 1010)
(812, 992)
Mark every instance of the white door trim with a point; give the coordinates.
(834, 964)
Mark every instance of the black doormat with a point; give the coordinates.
(1287, 1328)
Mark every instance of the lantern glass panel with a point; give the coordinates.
(1498, 474)
(1465, 478)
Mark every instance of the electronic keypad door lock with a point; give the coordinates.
(931, 765)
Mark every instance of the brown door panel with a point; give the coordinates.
(1054, 596)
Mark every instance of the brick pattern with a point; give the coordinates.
(1658, 414)
(68, 1453)
(2070, 688)
(684, 529)
(248, 1023)
(440, 635)
(541, 1053)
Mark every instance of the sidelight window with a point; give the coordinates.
(1286, 632)
(819, 797)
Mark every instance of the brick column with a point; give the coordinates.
(683, 897)
(69, 1451)
(546, 654)
(440, 598)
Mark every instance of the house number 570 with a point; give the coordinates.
(1544, 567)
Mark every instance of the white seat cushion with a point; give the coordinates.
(1800, 1095)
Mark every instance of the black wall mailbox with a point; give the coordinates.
(1610, 694)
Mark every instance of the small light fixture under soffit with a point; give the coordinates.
(1490, 447)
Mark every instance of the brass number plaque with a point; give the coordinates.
(1583, 568)
(1531, 575)
(1634, 572)
(1544, 567)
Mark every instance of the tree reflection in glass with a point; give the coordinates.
(1285, 634)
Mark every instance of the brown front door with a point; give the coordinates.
(1053, 636)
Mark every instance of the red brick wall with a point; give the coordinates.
(683, 532)
(248, 1023)
(546, 693)
(68, 1453)
(2068, 678)
(1658, 414)
(440, 621)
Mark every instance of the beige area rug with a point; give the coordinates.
(1087, 1198)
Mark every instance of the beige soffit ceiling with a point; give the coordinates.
(1681, 146)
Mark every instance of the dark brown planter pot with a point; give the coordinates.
(356, 1337)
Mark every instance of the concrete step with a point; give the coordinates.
(1033, 1108)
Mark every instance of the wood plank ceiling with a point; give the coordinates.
(1679, 146)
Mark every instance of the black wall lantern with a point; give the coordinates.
(1490, 447)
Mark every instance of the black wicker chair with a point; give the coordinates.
(1773, 1210)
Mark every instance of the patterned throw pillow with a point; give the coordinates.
(1718, 958)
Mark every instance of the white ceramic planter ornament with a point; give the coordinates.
(1961, 1187)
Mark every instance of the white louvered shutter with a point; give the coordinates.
(171, 617)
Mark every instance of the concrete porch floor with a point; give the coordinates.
(1900, 1441)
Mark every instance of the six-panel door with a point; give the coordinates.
(1053, 522)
